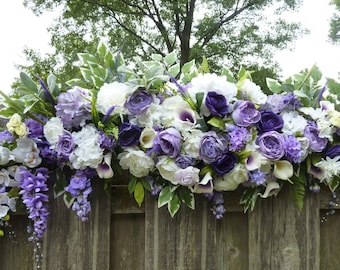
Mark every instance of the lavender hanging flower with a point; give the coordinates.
(80, 188)
(33, 189)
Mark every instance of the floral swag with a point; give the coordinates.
(179, 133)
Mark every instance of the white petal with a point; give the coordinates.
(283, 169)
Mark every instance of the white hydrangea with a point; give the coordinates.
(88, 152)
(253, 92)
(136, 161)
(293, 122)
(191, 142)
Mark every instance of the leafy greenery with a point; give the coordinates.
(334, 32)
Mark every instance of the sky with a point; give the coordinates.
(19, 27)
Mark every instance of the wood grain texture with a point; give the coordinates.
(281, 237)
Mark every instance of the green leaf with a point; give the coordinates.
(217, 122)
(132, 184)
(187, 197)
(51, 82)
(165, 196)
(68, 199)
(156, 57)
(274, 86)
(170, 58)
(28, 83)
(333, 86)
(102, 49)
(139, 193)
(334, 183)
(188, 67)
(249, 198)
(298, 187)
(204, 67)
(174, 70)
(86, 58)
(227, 72)
(199, 99)
(174, 205)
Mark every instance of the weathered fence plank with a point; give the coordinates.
(71, 244)
(281, 237)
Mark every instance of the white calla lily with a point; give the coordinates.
(283, 169)
(104, 169)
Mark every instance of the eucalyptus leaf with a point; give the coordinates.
(274, 86)
(28, 83)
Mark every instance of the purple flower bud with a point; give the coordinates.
(271, 145)
(311, 132)
(138, 102)
(212, 147)
(269, 121)
(217, 104)
(225, 163)
(170, 142)
(245, 114)
(128, 134)
(332, 151)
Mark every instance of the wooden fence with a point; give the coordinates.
(119, 235)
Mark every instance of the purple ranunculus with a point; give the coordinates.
(128, 134)
(269, 121)
(271, 145)
(311, 132)
(216, 103)
(225, 163)
(332, 151)
(170, 142)
(212, 147)
(65, 144)
(138, 102)
(245, 114)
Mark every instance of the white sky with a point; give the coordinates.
(20, 27)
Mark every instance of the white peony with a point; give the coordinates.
(137, 162)
(112, 94)
(191, 142)
(53, 129)
(233, 179)
(208, 82)
(253, 92)
(88, 152)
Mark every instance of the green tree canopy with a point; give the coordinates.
(224, 31)
(334, 32)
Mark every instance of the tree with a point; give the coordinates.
(224, 31)
(334, 32)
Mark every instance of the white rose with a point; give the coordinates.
(231, 180)
(52, 130)
(167, 169)
(188, 176)
(112, 94)
(191, 143)
(136, 161)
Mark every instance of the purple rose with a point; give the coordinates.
(271, 145)
(225, 163)
(311, 132)
(216, 103)
(170, 142)
(332, 151)
(128, 134)
(65, 144)
(184, 161)
(138, 102)
(245, 114)
(212, 147)
(269, 121)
